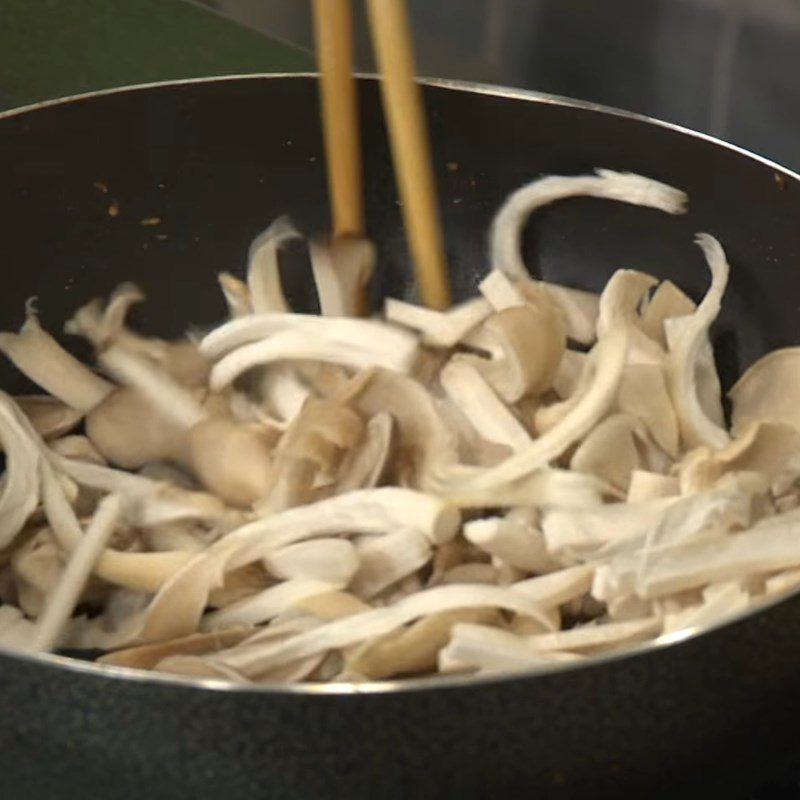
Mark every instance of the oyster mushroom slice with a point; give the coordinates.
(384, 560)
(643, 393)
(608, 356)
(667, 302)
(342, 271)
(334, 561)
(237, 295)
(42, 359)
(682, 360)
(506, 230)
(580, 310)
(263, 271)
(528, 342)
(768, 391)
(61, 602)
(378, 622)
(443, 329)
(491, 418)
(500, 291)
(50, 417)
(19, 495)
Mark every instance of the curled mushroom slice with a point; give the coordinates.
(506, 231)
(42, 359)
(414, 649)
(442, 329)
(695, 425)
(667, 302)
(283, 391)
(263, 271)
(559, 587)
(19, 495)
(342, 271)
(768, 391)
(49, 416)
(528, 343)
(332, 605)
(491, 418)
(237, 295)
(378, 622)
(610, 451)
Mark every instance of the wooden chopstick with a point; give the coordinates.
(333, 30)
(402, 105)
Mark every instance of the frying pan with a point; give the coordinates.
(215, 160)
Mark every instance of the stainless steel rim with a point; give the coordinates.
(416, 684)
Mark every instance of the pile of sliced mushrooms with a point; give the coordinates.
(528, 479)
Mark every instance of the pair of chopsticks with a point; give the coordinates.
(402, 104)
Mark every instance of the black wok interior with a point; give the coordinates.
(216, 161)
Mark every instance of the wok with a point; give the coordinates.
(216, 160)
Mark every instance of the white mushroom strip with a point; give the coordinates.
(334, 561)
(506, 230)
(594, 638)
(768, 391)
(414, 649)
(495, 650)
(42, 359)
(263, 271)
(725, 600)
(490, 417)
(77, 447)
(558, 587)
(442, 329)
(237, 295)
(266, 605)
(370, 624)
(770, 545)
(36, 566)
(514, 538)
(61, 602)
(148, 656)
(342, 271)
(384, 560)
(19, 495)
(283, 391)
(695, 425)
(646, 486)
(567, 379)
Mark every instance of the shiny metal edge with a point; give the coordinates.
(411, 684)
(509, 92)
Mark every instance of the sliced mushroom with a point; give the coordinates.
(42, 359)
(667, 302)
(768, 391)
(695, 425)
(263, 271)
(384, 560)
(610, 451)
(49, 416)
(342, 271)
(442, 329)
(580, 310)
(237, 295)
(646, 486)
(506, 231)
(365, 466)
(333, 561)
